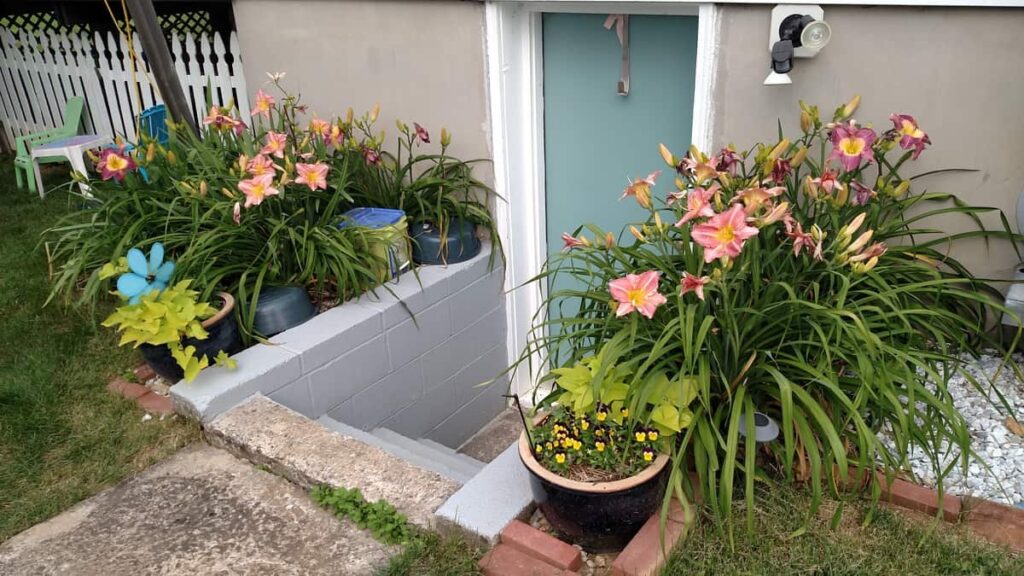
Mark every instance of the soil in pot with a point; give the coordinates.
(223, 336)
(458, 244)
(598, 516)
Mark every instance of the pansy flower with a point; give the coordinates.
(145, 274)
(724, 234)
(640, 435)
(648, 453)
(599, 445)
(911, 135)
(602, 415)
(652, 434)
(114, 163)
(560, 457)
(637, 293)
(851, 145)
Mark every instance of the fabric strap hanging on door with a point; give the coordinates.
(621, 24)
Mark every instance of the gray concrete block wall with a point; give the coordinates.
(410, 358)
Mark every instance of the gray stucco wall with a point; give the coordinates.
(960, 72)
(421, 61)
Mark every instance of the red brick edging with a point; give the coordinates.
(143, 397)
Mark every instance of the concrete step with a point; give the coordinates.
(311, 454)
(486, 504)
(429, 455)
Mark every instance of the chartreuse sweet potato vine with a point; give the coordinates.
(797, 279)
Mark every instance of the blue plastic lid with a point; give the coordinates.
(372, 217)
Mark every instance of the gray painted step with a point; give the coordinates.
(497, 495)
(435, 456)
(404, 448)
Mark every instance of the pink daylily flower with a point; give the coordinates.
(698, 204)
(637, 293)
(861, 194)
(219, 120)
(274, 144)
(851, 145)
(319, 128)
(421, 133)
(691, 283)
(753, 198)
(641, 189)
(371, 156)
(727, 160)
(780, 170)
(827, 182)
(261, 165)
(335, 136)
(258, 188)
(800, 239)
(724, 234)
(114, 163)
(911, 135)
(312, 175)
(264, 103)
(573, 242)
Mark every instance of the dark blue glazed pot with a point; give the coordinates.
(598, 516)
(458, 244)
(280, 308)
(223, 336)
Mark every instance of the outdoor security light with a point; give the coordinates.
(796, 32)
(765, 428)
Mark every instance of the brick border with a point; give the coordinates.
(143, 397)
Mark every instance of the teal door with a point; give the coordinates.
(595, 139)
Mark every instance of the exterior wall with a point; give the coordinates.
(421, 61)
(368, 363)
(958, 71)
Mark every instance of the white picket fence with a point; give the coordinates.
(39, 73)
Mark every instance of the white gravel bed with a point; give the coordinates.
(995, 444)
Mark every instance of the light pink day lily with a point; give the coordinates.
(319, 128)
(851, 145)
(258, 188)
(219, 120)
(261, 165)
(312, 175)
(637, 292)
(911, 135)
(371, 156)
(335, 136)
(641, 189)
(421, 133)
(825, 183)
(264, 103)
(801, 239)
(236, 213)
(274, 144)
(753, 198)
(698, 204)
(723, 235)
(114, 163)
(571, 242)
(727, 160)
(691, 283)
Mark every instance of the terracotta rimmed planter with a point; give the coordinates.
(223, 335)
(598, 516)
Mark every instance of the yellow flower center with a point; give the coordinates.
(907, 128)
(852, 146)
(725, 234)
(636, 296)
(258, 191)
(116, 163)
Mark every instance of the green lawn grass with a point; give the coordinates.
(63, 437)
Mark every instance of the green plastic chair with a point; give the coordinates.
(23, 144)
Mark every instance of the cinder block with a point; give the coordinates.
(386, 397)
(465, 273)
(331, 334)
(473, 341)
(261, 368)
(470, 418)
(333, 383)
(476, 300)
(470, 381)
(415, 291)
(411, 339)
(295, 396)
(426, 413)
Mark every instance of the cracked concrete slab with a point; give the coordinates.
(202, 511)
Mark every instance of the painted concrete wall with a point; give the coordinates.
(960, 72)
(422, 61)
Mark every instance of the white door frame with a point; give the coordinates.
(516, 90)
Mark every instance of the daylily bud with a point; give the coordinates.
(725, 179)
(202, 187)
(227, 193)
(680, 185)
(657, 221)
(637, 234)
(172, 159)
(842, 195)
(403, 128)
(150, 152)
(92, 156)
(901, 189)
(851, 106)
(374, 113)
(927, 260)
(806, 123)
(243, 163)
(847, 232)
(781, 147)
(863, 267)
(187, 187)
(695, 152)
(667, 156)
(609, 240)
(446, 137)
(817, 234)
(348, 115)
(810, 188)
(860, 242)
(798, 158)
(777, 213)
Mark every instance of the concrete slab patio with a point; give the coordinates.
(202, 511)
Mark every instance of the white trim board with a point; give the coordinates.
(515, 87)
(602, 5)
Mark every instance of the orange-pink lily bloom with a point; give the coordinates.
(264, 103)
(691, 283)
(724, 234)
(312, 175)
(641, 189)
(637, 293)
(698, 204)
(274, 144)
(258, 188)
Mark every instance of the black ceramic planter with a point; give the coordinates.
(223, 335)
(280, 308)
(457, 245)
(598, 516)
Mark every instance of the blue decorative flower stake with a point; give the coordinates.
(146, 275)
